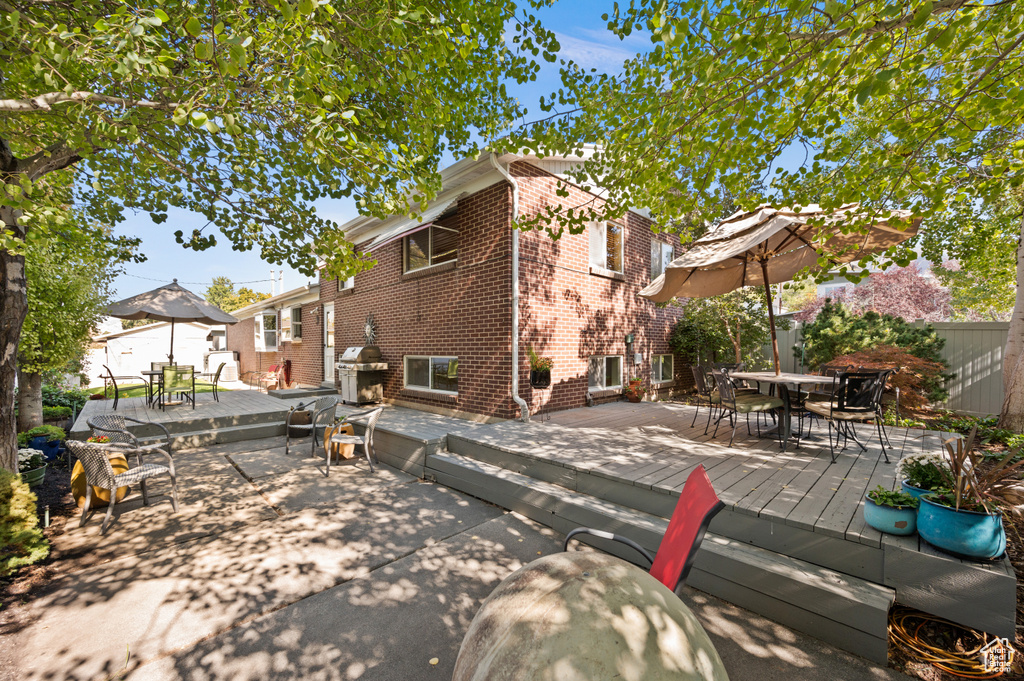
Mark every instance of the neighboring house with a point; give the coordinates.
(283, 328)
(129, 352)
(441, 299)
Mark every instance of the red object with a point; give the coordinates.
(287, 372)
(697, 505)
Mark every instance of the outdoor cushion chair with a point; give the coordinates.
(95, 460)
(114, 379)
(115, 427)
(697, 505)
(212, 380)
(178, 380)
(324, 414)
(705, 391)
(735, 403)
(368, 419)
(856, 396)
(254, 378)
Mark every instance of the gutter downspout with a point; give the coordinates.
(523, 407)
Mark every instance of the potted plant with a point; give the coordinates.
(31, 466)
(891, 511)
(635, 391)
(966, 519)
(540, 369)
(45, 438)
(922, 473)
(99, 439)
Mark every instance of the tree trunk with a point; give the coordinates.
(13, 306)
(1012, 414)
(30, 401)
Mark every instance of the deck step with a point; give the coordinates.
(299, 393)
(205, 438)
(845, 611)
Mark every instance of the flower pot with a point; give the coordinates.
(540, 378)
(964, 533)
(901, 521)
(916, 492)
(633, 397)
(100, 496)
(34, 476)
(49, 449)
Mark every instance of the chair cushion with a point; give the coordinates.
(751, 403)
(829, 410)
(347, 439)
(146, 470)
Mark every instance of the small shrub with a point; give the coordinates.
(56, 413)
(884, 497)
(52, 434)
(894, 420)
(920, 380)
(21, 541)
(72, 398)
(538, 363)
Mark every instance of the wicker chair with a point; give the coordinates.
(115, 427)
(95, 460)
(369, 419)
(324, 414)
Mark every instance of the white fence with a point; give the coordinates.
(974, 351)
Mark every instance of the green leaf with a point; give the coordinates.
(193, 27)
(203, 51)
(161, 15)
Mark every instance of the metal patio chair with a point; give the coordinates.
(178, 380)
(115, 427)
(324, 414)
(706, 391)
(735, 403)
(95, 460)
(696, 507)
(368, 419)
(212, 380)
(856, 397)
(114, 379)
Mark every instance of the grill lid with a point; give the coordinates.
(360, 354)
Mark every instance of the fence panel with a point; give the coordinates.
(974, 351)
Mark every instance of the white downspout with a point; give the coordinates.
(523, 407)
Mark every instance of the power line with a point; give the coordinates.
(197, 283)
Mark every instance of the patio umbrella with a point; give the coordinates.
(170, 303)
(769, 246)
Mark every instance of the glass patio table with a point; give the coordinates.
(784, 381)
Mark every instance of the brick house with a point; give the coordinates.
(441, 299)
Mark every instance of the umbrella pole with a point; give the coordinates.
(771, 317)
(171, 356)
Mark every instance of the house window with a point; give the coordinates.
(661, 368)
(296, 319)
(430, 246)
(344, 284)
(440, 374)
(833, 291)
(605, 372)
(661, 255)
(606, 241)
(265, 326)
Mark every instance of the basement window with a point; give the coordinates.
(438, 374)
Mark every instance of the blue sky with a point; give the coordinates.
(584, 38)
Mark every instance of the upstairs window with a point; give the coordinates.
(604, 372)
(606, 246)
(661, 255)
(430, 246)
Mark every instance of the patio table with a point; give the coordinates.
(156, 379)
(783, 380)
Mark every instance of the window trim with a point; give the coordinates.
(661, 254)
(430, 358)
(260, 331)
(430, 249)
(661, 362)
(295, 323)
(605, 386)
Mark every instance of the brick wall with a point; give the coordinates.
(305, 356)
(569, 314)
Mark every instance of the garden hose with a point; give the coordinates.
(905, 626)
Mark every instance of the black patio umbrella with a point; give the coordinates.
(170, 303)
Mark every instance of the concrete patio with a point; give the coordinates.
(272, 571)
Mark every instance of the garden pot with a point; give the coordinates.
(540, 379)
(964, 533)
(35, 476)
(916, 492)
(901, 521)
(100, 497)
(634, 398)
(49, 449)
(301, 417)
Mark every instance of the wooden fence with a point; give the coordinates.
(974, 351)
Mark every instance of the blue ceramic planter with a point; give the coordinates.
(916, 492)
(49, 449)
(902, 521)
(964, 533)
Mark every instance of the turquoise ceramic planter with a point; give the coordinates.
(902, 521)
(964, 533)
(916, 492)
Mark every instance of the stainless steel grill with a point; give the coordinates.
(360, 375)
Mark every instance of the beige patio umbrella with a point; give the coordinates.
(769, 246)
(170, 303)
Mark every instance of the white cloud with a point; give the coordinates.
(589, 54)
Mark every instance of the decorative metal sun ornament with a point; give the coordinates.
(370, 330)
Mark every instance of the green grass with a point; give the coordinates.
(138, 390)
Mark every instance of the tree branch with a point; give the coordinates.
(46, 101)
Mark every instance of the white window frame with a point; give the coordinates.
(661, 255)
(430, 360)
(345, 284)
(660, 361)
(598, 233)
(830, 290)
(291, 324)
(261, 331)
(430, 249)
(604, 386)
